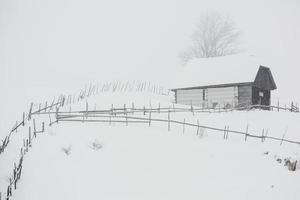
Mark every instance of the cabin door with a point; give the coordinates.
(261, 97)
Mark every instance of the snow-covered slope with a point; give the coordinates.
(141, 162)
(137, 162)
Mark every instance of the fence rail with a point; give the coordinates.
(121, 115)
(111, 117)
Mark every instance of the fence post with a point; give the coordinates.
(43, 127)
(285, 107)
(16, 126)
(262, 135)
(283, 136)
(169, 120)
(29, 138)
(227, 132)
(158, 107)
(266, 134)
(192, 109)
(23, 122)
(30, 110)
(34, 127)
(56, 113)
(183, 125)
(133, 108)
(86, 109)
(112, 109)
(246, 134)
(27, 142)
(198, 127)
(46, 104)
(50, 122)
(39, 108)
(149, 118)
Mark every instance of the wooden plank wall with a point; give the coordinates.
(188, 97)
(214, 97)
(222, 97)
(245, 95)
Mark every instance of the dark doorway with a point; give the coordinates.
(260, 96)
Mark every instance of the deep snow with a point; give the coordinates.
(141, 162)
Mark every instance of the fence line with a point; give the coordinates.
(64, 100)
(17, 170)
(61, 102)
(125, 110)
(92, 116)
(27, 143)
(115, 115)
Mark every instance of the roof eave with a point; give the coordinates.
(215, 86)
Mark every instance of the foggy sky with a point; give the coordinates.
(73, 42)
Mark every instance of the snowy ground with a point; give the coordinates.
(142, 162)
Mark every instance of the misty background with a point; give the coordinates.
(63, 44)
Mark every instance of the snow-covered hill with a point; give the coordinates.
(75, 160)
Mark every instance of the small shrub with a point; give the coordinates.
(67, 150)
(96, 145)
(291, 165)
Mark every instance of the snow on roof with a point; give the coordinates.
(214, 71)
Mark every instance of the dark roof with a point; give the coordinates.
(215, 86)
(264, 79)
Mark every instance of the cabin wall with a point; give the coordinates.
(224, 97)
(244, 95)
(191, 96)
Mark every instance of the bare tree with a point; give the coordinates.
(215, 36)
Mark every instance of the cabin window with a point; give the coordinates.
(261, 94)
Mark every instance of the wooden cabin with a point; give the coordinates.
(255, 91)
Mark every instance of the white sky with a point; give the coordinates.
(66, 42)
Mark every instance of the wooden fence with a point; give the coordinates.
(17, 169)
(27, 142)
(62, 101)
(54, 107)
(121, 115)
